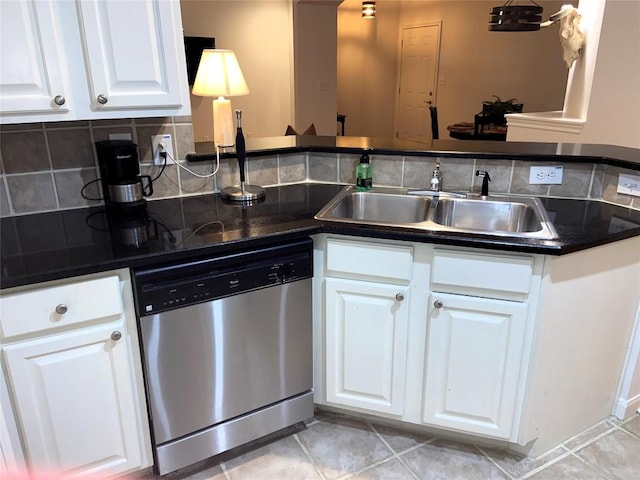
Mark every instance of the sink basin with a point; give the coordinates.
(498, 215)
(487, 215)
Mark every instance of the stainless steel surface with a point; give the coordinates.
(59, 100)
(436, 179)
(102, 99)
(242, 193)
(399, 297)
(126, 192)
(437, 304)
(379, 206)
(210, 362)
(61, 309)
(488, 215)
(220, 438)
(116, 335)
(498, 215)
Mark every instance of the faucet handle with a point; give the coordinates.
(436, 179)
(483, 173)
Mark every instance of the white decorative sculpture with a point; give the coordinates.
(571, 37)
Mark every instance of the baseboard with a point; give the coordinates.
(626, 407)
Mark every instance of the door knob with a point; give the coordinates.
(116, 335)
(61, 309)
(399, 297)
(437, 304)
(428, 102)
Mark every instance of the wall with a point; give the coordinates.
(261, 34)
(46, 165)
(606, 80)
(474, 63)
(315, 45)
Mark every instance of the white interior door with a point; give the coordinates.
(417, 81)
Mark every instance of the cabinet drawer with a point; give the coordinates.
(497, 276)
(35, 310)
(378, 260)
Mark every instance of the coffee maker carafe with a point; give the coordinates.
(123, 187)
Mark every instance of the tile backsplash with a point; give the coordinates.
(43, 167)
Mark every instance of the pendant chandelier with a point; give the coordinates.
(512, 17)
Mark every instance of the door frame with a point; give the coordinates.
(399, 69)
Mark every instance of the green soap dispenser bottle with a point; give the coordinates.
(364, 174)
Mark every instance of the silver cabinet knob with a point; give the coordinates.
(59, 100)
(437, 304)
(102, 99)
(399, 297)
(61, 309)
(116, 335)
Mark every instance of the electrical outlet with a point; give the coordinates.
(629, 184)
(164, 139)
(545, 175)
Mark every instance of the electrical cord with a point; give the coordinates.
(85, 186)
(209, 175)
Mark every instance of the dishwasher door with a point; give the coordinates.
(211, 362)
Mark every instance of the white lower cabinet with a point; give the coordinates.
(74, 376)
(366, 338)
(454, 354)
(474, 355)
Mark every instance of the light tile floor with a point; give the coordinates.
(339, 447)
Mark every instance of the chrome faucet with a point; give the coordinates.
(485, 182)
(436, 179)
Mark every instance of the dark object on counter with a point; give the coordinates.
(485, 182)
(364, 174)
(122, 185)
(242, 192)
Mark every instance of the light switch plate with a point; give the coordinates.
(545, 175)
(629, 184)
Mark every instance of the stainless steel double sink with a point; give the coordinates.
(500, 215)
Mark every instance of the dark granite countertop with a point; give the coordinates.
(49, 246)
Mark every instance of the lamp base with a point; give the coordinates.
(242, 193)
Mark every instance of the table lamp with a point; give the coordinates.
(219, 76)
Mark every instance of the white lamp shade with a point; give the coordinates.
(219, 74)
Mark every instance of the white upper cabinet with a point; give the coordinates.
(87, 59)
(30, 68)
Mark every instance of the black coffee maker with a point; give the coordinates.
(123, 188)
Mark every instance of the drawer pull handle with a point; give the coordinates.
(437, 304)
(399, 297)
(102, 99)
(116, 335)
(59, 100)
(61, 309)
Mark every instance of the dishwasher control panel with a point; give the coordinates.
(186, 283)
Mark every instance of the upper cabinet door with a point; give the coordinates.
(31, 78)
(131, 53)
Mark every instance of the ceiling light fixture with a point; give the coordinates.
(515, 18)
(368, 9)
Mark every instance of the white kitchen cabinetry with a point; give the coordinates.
(454, 354)
(476, 360)
(366, 344)
(367, 325)
(73, 371)
(90, 60)
(474, 357)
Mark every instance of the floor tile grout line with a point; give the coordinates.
(396, 455)
(477, 447)
(308, 455)
(586, 443)
(602, 473)
(546, 465)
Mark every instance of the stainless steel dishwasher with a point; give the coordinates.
(226, 349)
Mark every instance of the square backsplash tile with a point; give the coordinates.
(24, 152)
(32, 192)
